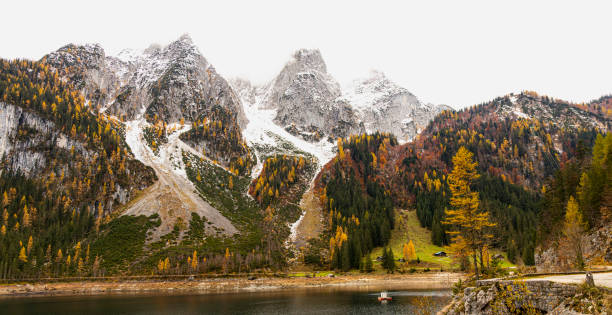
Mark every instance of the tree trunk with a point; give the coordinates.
(475, 266)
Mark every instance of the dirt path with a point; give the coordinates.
(601, 279)
(173, 196)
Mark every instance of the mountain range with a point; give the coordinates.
(149, 155)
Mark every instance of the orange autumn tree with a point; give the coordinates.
(409, 251)
(468, 223)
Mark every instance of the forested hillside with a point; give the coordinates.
(219, 137)
(360, 209)
(586, 185)
(63, 170)
(519, 142)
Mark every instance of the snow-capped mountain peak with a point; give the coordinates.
(384, 106)
(373, 91)
(308, 59)
(172, 82)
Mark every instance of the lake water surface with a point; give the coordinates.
(307, 301)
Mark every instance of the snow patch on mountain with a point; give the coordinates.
(384, 106)
(261, 130)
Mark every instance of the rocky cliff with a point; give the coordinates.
(172, 82)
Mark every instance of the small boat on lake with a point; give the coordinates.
(384, 297)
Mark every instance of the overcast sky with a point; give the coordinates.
(453, 52)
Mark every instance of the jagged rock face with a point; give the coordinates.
(304, 61)
(16, 154)
(89, 70)
(26, 140)
(309, 105)
(25, 153)
(306, 99)
(172, 82)
(384, 106)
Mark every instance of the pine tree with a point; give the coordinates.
(80, 266)
(26, 217)
(574, 227)
(5, 199)
(390, 261)
(194, 261)
(22, 255)
(30, 243)
(369, 266)
(345, 257)
(160, 266)
(166, 264)
(469, 224)
(87, 254)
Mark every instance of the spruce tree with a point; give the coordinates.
(369, 266)
(390, 261)
(345, 258)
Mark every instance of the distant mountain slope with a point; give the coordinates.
(384, 106)
(601, 106)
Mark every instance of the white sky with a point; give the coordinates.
(454, 52)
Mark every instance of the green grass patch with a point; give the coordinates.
(304, 274)
(407, 227)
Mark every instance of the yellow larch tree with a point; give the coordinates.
(59, 255)
(22, 255)
(194, 261)
(30, 243)
(409, 251)
(573, 228)
(464, 217)
(25, 220)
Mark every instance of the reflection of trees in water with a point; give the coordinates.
(424, 305)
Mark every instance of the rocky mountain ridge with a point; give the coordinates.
(172, 82)
(384, 106)
(311, 104)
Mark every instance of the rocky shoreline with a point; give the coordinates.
(432, 281)
(497, 296)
